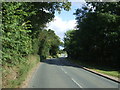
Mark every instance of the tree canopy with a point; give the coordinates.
(97, 36)
(23, 31)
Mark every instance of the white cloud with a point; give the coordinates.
(83, 1)
(60, 26)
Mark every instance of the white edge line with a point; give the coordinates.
(76, 83)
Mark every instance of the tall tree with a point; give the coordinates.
(98, 32)
(22, 24)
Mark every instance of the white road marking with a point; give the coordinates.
(71, 78)
(63, 70)
(77, 83)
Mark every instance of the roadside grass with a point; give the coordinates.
(98, 68)
(14, 76)
(110, 73)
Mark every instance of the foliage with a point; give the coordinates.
(15, 39)
(97, 36)
(69, 42)
(22, 26)
(23, 34)
(13, 77)
(49, 43)
(44, 14)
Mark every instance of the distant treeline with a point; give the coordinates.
(96, 38)
(23, 30)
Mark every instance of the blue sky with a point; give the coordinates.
(68, 15)
(65, 20)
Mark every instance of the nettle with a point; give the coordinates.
(16, 41)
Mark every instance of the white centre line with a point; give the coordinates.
(71, 78)
(77, 83)
(63, 70)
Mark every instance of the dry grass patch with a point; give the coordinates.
(13, 77)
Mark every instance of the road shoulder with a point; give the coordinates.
(98, 73)
(29, 76)
(103, 75)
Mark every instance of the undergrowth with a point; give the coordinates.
(12, 77)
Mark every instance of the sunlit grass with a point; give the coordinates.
(111, 73)
(100, 69)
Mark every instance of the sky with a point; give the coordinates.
(65, 20)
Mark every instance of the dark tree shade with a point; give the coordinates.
(97, 38)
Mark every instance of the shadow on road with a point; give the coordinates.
(61, 62)
(65, 62)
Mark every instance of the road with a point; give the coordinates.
(60, 73)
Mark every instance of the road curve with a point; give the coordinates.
(60, 73)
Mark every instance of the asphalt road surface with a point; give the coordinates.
(60, 73)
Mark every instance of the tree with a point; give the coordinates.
(22, 25)
(97, 34)
(49, 44)
(70, 44)
(16, 41)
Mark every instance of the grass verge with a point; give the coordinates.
(98, 68)
(13, 77)
(110, 73)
